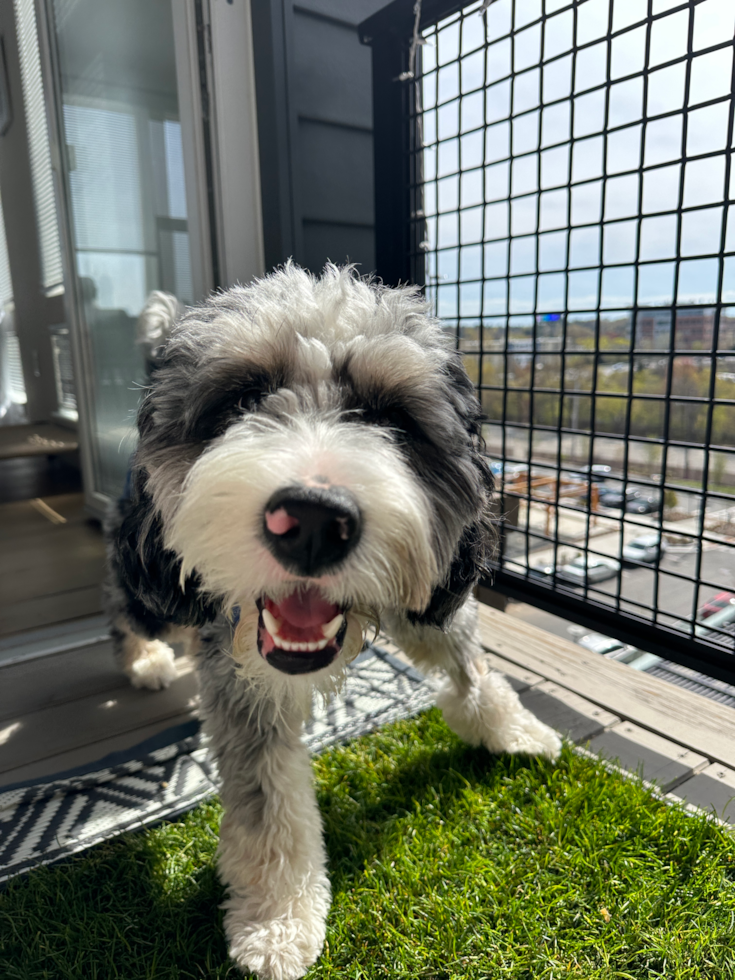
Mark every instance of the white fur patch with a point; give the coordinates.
(285, 946)
(215, 523)
(154, 667)
(279, 893)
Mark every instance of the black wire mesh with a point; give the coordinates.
(570, 189)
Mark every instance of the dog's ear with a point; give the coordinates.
(149, 573)
(475, 545)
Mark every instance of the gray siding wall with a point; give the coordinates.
(314, 90)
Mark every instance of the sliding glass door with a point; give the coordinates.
(123, 185)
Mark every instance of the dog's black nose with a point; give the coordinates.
(311, 529)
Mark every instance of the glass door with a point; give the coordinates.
(123, 188)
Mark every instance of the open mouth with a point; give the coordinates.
(301, 633)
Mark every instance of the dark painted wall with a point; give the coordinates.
(314, 91)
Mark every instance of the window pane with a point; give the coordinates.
(128, 199)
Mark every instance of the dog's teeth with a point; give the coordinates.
(291, 645)
(333, 627)
(271, 623)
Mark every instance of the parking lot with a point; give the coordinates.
(676, 596)
(671, 588)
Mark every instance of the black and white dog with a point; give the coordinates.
(308, 462)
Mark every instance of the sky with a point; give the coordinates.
(518, 157)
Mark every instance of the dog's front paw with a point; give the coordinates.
(156, 668)
(526, 735)
(491, 714)
(282, 947)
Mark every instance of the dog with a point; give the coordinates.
(309, 463)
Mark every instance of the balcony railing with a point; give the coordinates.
(557, 175)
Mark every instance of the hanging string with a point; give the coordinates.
(416, 42)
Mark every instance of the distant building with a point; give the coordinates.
(653, 329)
(693, 331)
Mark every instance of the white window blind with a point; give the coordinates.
(38, 146)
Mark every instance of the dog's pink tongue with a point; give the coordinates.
(303, 608)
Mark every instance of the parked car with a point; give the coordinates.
(606, 646)
(644, 501)
(720, 601)
(597, 473)
(613, 495)
(723, 620)
(588, 568)
(542, 572)
(646, 548)
(714, 625)
(635, 500)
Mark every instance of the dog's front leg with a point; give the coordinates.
(478, 703)
(271, 855)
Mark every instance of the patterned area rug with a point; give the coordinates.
(51, 820)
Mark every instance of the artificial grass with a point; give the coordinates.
(445, 862)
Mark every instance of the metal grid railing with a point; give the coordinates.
(565, 197)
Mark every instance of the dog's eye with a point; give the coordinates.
(250, 398)
(254, 389)
(228, 405)
(398, 418)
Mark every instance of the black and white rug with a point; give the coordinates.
(46, 821)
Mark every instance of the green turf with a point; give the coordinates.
(445, 863)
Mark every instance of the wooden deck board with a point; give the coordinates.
(22, 518)
(48, 609)
(61, 728)
(33, 685)
(55, 557)
(705, 726)
(85, 754)
(711, 789)
(657, 759)
(574, 717)
(48, 572)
